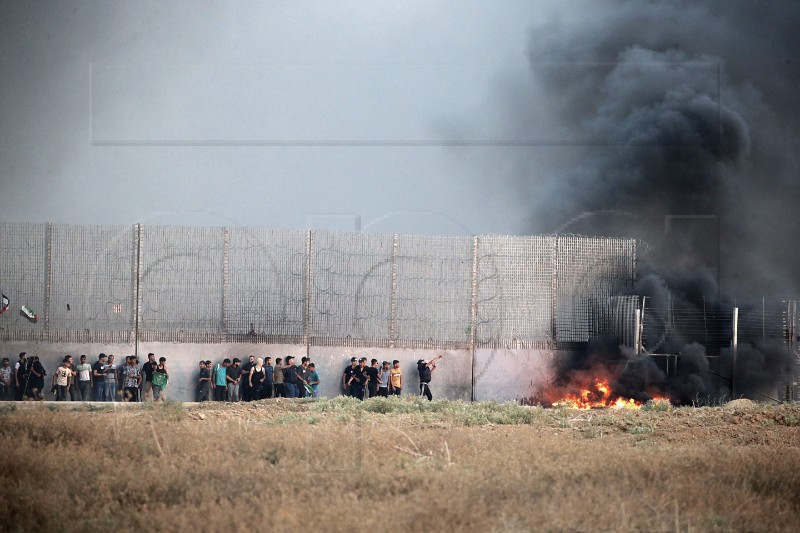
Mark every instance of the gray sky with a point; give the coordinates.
(439, 117)
(271, 113)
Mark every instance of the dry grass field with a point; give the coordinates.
(398, 465)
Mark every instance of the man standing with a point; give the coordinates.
(234, 377)
(62, 378)
(203, 383)
(277, 379)
(396, 379)
(84, 371)
(426, 369)
(5, 381)
(147, 369)
(290, 377)
(111, 379)
(383, 380)
(219, 381)
(302, 377)
(373, 378)
(269, 373)
(244, 387)
(19, 376)
(313, 380)
(132, 377)
(359, 379)
(99, 378)
(347, 375)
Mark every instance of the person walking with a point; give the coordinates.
(290, 377)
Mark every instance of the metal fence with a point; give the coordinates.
(239, 284)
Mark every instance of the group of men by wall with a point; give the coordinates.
(103, 381)
(362, 381)
(257, 379)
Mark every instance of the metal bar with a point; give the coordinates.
(309, 292)
(554, 294)
(393, 296)
(226, 241)
(473, 320)
(48, 278)
(137, 283)
(735, 342)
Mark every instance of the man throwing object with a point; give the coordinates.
(425, 369)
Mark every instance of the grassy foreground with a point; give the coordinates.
(398, 465)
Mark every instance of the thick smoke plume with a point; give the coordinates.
(682, 116)
(679, 127)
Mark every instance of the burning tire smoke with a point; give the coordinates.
(682, 116)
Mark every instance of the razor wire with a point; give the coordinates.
(433, 289)
(266, 287)
(514, 290)
(92, 283)
(181, 283)
(351, 287)
(196, 284)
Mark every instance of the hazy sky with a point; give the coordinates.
(273, 113)
(442, 117)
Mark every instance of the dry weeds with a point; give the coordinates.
(336, 465)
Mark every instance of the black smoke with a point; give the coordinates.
(676, 123)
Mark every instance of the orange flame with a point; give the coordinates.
(600, 396)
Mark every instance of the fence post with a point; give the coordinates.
(226, 240)
(734, 345)
(137, 282)
(473, 320)
(393, 319)
(554, 295)
(309, 292)
(48, 279)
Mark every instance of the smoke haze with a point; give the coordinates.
(682, 116)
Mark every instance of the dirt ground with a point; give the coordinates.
(398, 465)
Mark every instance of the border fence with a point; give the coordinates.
(122, 284)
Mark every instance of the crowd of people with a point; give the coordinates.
(102, 381)
(228, 381)
(257, 379)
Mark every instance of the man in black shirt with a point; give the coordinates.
(233, 376)
(147, 369)
(347, 374)
(425, 369)
(99, 378)
(244, 389)
(290, 377)
(373, 378)
(302, 377)
(359, 379)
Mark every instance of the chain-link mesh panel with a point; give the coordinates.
(433, 289)
(92, 287)
(181, 283)
(23, 267)
(515, 290)
(351, 287)
(589, 268)
(267, 283)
